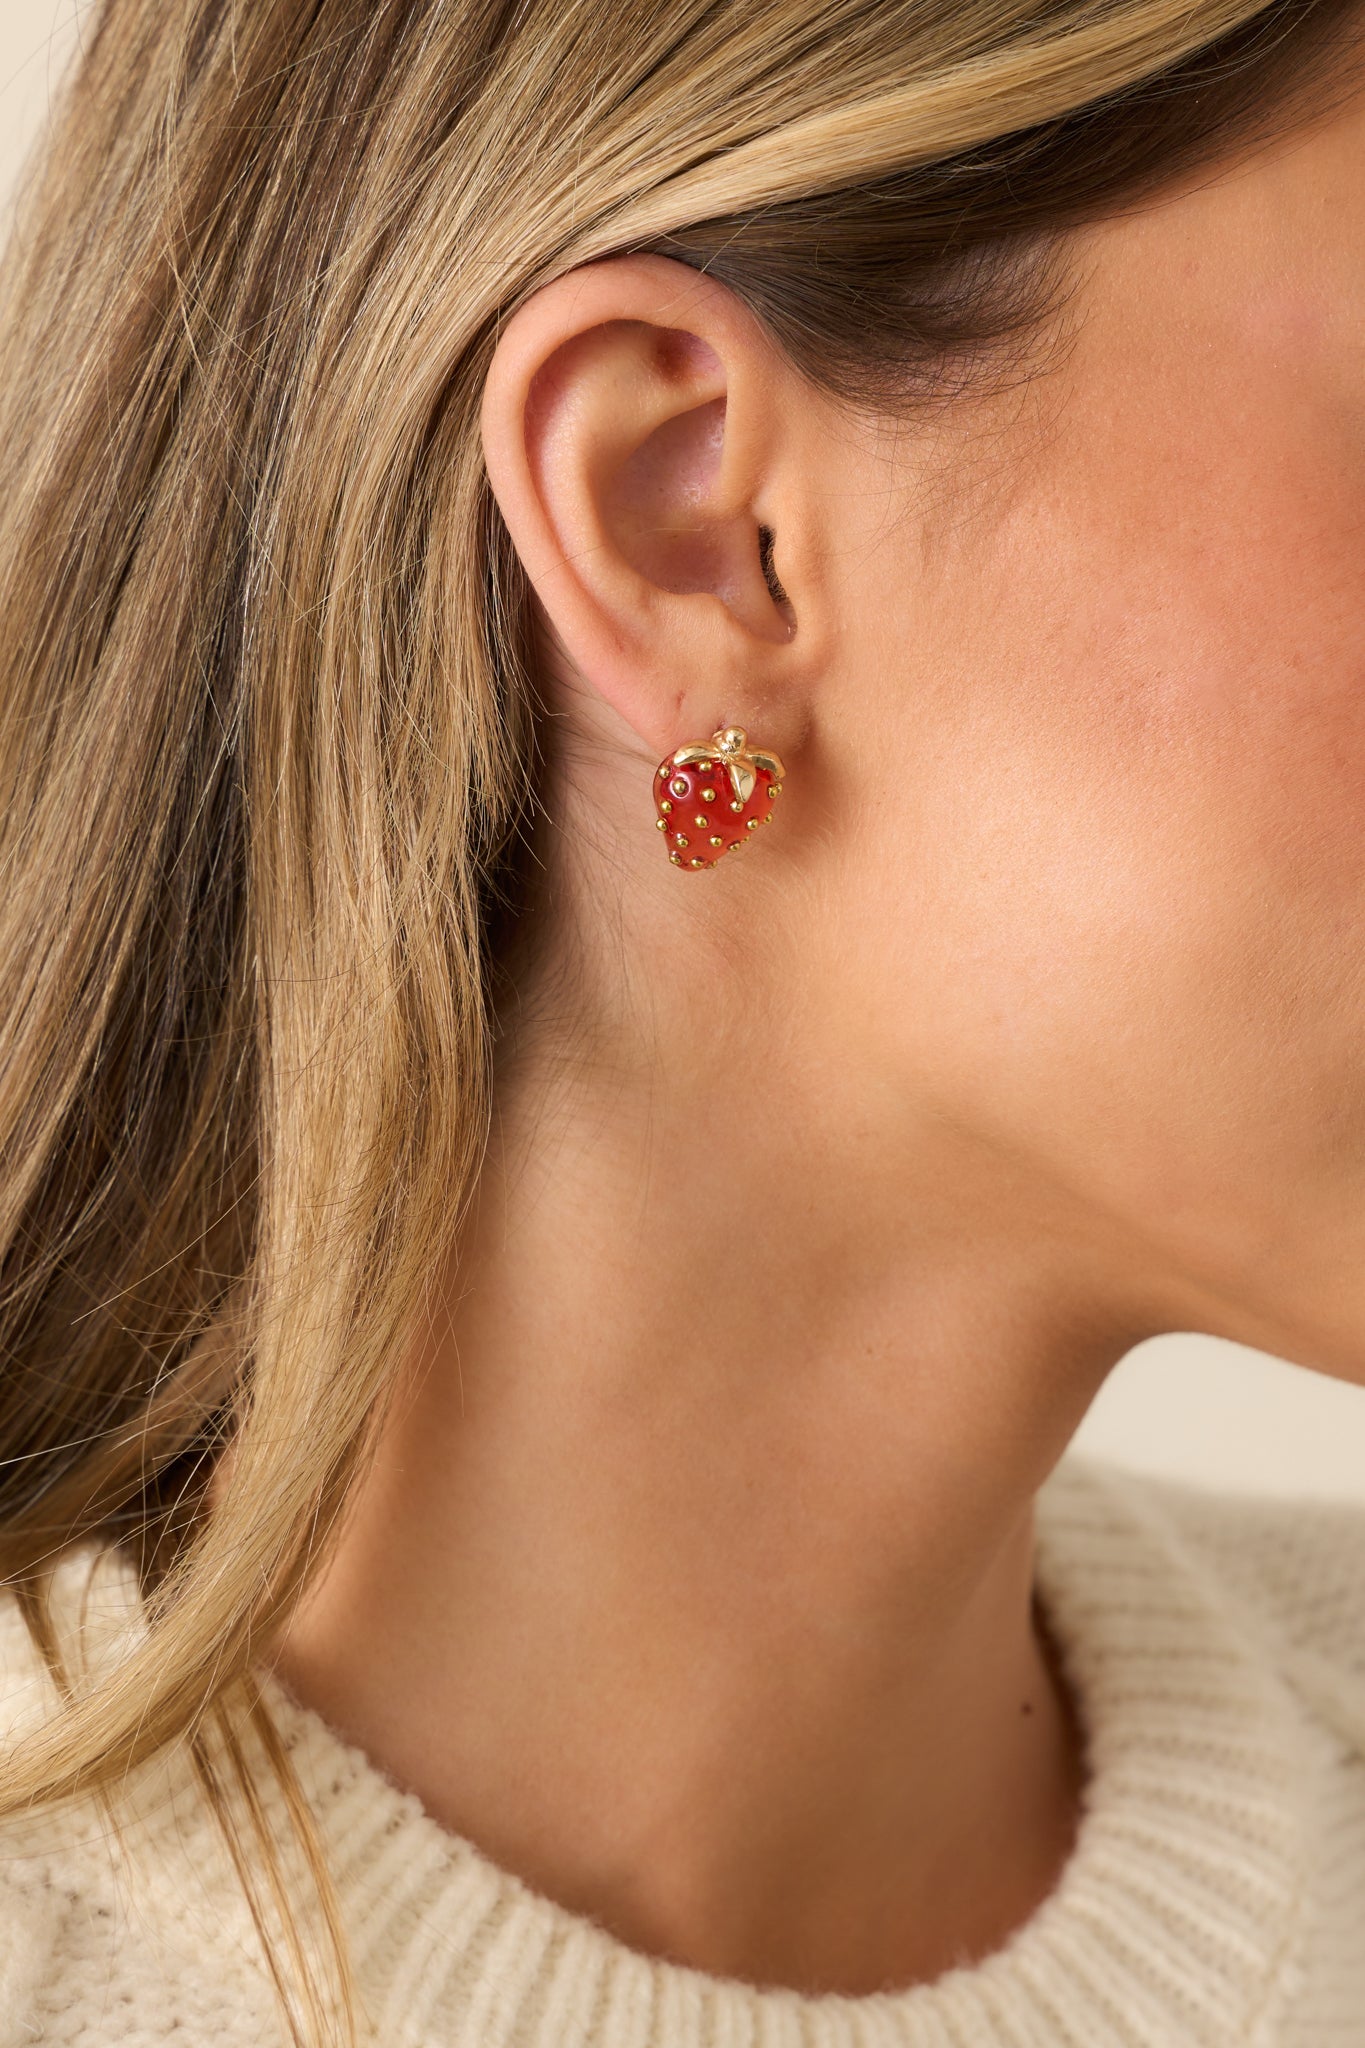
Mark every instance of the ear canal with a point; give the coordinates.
(767, 543)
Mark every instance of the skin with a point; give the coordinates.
(693, 1576)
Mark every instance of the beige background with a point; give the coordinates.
(35, 36)
(1186, 1405)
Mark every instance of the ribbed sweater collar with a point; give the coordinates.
(1176, 1919)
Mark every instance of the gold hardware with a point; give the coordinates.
(740, 760)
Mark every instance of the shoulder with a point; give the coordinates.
(108, 1912)
(95, 1610)
(1298, 1561)
(1289, 1568)
(51, 1881)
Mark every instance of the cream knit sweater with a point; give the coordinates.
(1215, 1895)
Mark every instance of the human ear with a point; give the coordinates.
(637, 443)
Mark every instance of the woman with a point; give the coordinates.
(538, 1375)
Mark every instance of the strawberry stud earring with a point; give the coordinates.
(710, 798)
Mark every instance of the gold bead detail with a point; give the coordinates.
(700, 820)
(679, 785)
(695, 863)
(736, 805)
(776, 789)
(708, 796)
(676, 859)
(665, 805)
(716, 839)
(681, 838)
(661, 824)
(751, 824)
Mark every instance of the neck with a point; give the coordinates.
(692, 1578)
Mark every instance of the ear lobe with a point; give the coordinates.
(632, 491)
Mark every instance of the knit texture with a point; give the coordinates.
(1214, 1898)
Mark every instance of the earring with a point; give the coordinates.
(710, 798)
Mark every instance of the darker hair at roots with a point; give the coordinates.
(924, 284)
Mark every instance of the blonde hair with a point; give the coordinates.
(267, 737)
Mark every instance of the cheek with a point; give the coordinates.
(1142, 821)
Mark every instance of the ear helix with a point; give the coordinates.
(712, 796)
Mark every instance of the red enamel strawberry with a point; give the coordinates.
(712, 799)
